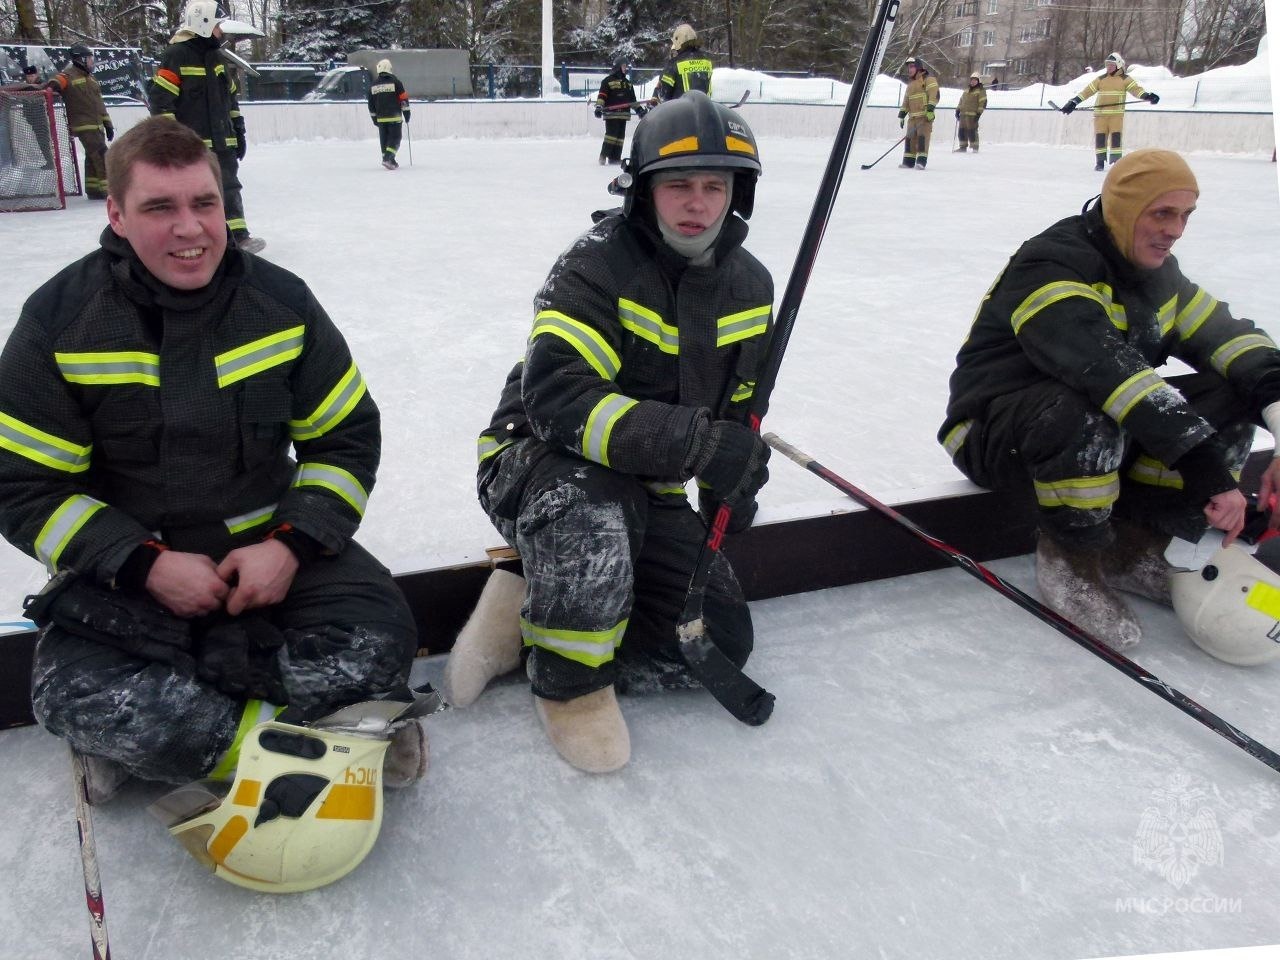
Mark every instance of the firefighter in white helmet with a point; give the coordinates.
(1113, 88)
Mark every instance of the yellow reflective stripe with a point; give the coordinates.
(587, 341)
(595, 439)
(1198, 309)
(648, 326)
(334, 479)
(333, 409)
(1229, 352)
(956, 437)
(590, 647)
(1167, 316)
(666, 488)
(247, 521)
(1050, 294)
(160, 81)
(43, 448)
(743, 391)
(236, 224)
(63, 524)
(193, 71)
(1082, 493)
(261, 354)
(124, 366)
(1147, 469)
(1126, 396)
(487, 446)
(741, 325)
(255, 713)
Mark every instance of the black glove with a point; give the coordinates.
(373, 118)
(1071, 105)
(599, 111)
(242, 142)
(640, 112)
(1151, 98)
(406, 115)
(902, 118)
(133, 623)
(1204, 472)
(729, 458)
(238, 656)
(110, 130)
(957, 114)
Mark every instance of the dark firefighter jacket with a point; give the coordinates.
(194, 86)
(689, 70)
(617, 92)
(128, 409)
(1069, 307)
(387, 98)
(629, 344)
(83, 97)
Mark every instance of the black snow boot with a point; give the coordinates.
(1071, 582)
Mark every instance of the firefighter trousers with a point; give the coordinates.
(1081, 464)
(348, 634)
(607, 563)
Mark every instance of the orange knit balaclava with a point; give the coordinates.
(1133, 182)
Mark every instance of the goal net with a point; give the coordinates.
(37, 157)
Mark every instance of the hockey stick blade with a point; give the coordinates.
(733, 689)
(741, 100)
(1033, 606)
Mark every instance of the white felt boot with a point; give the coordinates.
(489, 644)
(588, 731)
(1071, 582)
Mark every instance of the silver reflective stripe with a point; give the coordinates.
(1082, 493)
(262, 354)
(334, 479)
(591, 647)
(954, 439)
(740, 326)
(1126, 396)
(247, 521)
(1230, 351)
(1198, 309)
(595, 439)
(333, 409)
(1167, 316)
(1154, 473)
(63, 524)
(1050, 294)
(588, 342)
(666, 488)
(104, 368)
(487, 446)
(647, 325)
(42, 448)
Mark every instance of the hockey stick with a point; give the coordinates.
(741, 100)
(408, 137)
(735, 691)
(1060, 623)
(892, 147)
(89, 862)
(1088, 109)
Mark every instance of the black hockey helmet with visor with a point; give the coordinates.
(689, 133)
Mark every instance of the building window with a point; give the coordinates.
(993, 6)
(1023, 67)
(966, 8)
(1037, 30)
(988, 38)
(965, 37)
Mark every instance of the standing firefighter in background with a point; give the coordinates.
(689, 68)
(919, 101)
(152, 394)
(1058, 392)
(194, 85)
(1113, 89)
(389, 110)
(87, 118)
(972, 102)
(647, 340)
(614, 103)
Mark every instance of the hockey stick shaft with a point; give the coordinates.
(1086, 109)
(1038, 609)
(89, 863)
(735, 691)
(892, 147)
(409, 140)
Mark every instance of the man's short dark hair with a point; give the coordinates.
(162, 142)
(31, 68)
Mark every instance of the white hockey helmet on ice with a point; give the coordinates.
(1231, 607)
(1115, 58)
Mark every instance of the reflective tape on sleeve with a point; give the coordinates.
(335, 480)
(647, 325)
(600, 422)
(1232, 350)
(587, 341)
(333, 409)
(1191, 317)
(487, 446)
(742, 325)
(42, 448)
(1126, 396)
(1050, 294)
(247, 521)
(263, 354)
(63, 524)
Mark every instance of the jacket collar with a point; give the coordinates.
(142, 286)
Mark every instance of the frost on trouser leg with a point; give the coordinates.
(329, 666)
(1071, 582)
(490, 641)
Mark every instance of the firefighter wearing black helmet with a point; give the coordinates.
(87, 117)
(647, 340)
(614, 103)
